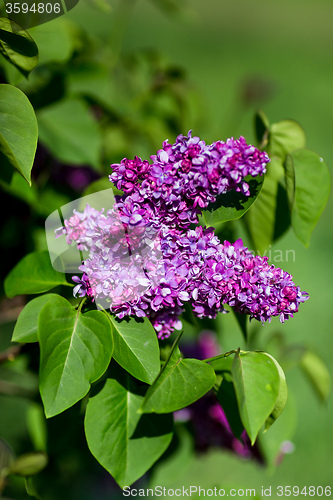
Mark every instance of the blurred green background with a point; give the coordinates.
(223, 60)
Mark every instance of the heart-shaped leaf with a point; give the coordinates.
(123, 441)
(18, 132)
(257, 384)
(136, 348)
(313, 187)
(26, 326)
(75, 350)
(33, 274)
(180, 383)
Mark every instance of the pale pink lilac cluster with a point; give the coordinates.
(145, 261)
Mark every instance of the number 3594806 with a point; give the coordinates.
(41, 8)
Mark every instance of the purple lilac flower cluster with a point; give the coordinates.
(144, 260)
(186, 177)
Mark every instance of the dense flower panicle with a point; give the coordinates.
(187, 176)
(143, 260)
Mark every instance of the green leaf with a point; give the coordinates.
(33, 274)
(313, 187)
(226, 396)
(282, 397)
(269, 216)
(17, 46)
(243, 321)
(289, 177)
(56, 41)
(36, 425)
(261, 125)
(29, 464)
(25, 329)
(284, 137)
(123, 441)
(70, 132)
(18, 132)
(180, 383)
(75, 351)
(136, 348)
(317, 373)
(232, 205)
(257, 384)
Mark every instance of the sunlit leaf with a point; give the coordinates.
(124, 442)
(136, 348)
(33, 274)
(18, 132)
(257, 384)
(313, 187)
(75, 351)
(284, 137)
(25, 329)
(180, 383)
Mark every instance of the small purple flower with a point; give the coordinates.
(83, 287)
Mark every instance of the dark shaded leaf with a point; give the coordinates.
(17, 46)
(232, 205)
